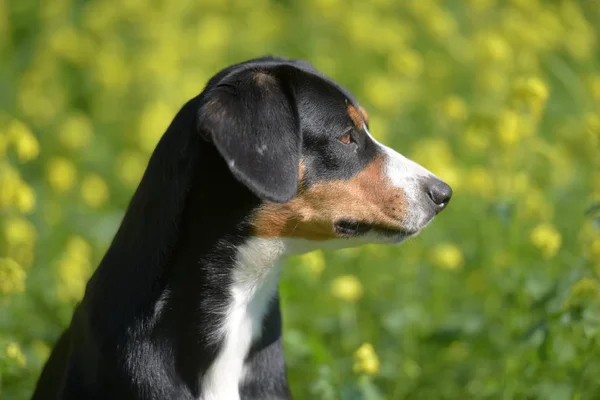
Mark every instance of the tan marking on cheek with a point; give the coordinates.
(355, 116)
(301, 174)
(301, 170)
(364, 113)
(367, 197)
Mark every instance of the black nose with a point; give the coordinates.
(439, 192)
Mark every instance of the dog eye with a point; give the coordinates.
(346, 139)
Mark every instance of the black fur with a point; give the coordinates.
(142, 328)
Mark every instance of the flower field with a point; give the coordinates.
(498, 299)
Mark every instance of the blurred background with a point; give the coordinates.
(497, 299)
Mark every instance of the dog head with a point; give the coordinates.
(301, 143)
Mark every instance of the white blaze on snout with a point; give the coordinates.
(407, 175)
(404, 173)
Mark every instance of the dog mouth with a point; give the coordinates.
(348, 228)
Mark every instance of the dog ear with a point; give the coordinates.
(252, 118)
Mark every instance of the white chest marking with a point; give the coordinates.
(254, 285)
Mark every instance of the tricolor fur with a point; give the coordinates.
(272, 159)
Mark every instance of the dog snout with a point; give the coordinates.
(439, 192)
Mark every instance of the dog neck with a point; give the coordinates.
(249, 319)
(185, 296)
(219, 305)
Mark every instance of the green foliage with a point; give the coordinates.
(498, 299)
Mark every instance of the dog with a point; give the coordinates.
(272, 159)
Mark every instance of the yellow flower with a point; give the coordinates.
(19, 231)
(79, 248)
(495, 48)
(14, 353)
(25, 142)
(74, 269)
(508, 128)
(536, 205)
(582, 292)
(130, 167)
(585, 286)
(546, 238)
(455, 108)
(596, 246)
(25, 199)
(94, 191)
(532, 91)
(347, 288)
(69, 43)
(448, 256)
(366, 360)
(314, 262)
(10, 182)
(61, 174)
(12, 277)
(75, 132)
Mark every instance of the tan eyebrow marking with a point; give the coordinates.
(364, 114)
(355, 116)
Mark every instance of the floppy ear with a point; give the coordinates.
(252, 118)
